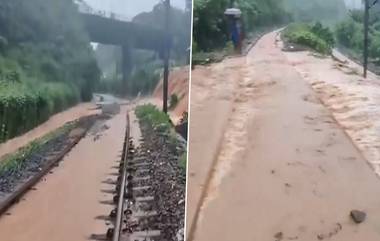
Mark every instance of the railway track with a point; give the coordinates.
(148, 193)
(134, 217)
(15, 183)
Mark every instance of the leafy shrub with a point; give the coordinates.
(350, 32)
(316, 37)
(23, 107)
(324, 33)
(154, 117)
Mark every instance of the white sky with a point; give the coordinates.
(353, 3)
(129, 8)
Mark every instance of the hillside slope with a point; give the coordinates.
(179, 85)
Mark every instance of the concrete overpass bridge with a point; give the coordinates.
(113, 29)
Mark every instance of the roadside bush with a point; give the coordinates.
(349, 35)
(315, 37)
(22, 107)
(142, 80)
(154, 117)
(324, 33)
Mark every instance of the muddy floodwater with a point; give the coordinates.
(65, 205)
(270, 150)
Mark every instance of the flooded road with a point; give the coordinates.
(353, 100)
(67, 202)
(281, 167)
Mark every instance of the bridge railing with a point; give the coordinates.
(86, 9)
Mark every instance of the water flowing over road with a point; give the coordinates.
(270, 158)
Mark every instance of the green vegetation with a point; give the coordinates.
(211, 26)
(160, 122)
(183, 162)
(46, 62)
(327, 12)
(350, 32)
(180, 22)
(153, 117)
(316, 37)
(146, 66)
(211, 33)
(144, 76)
(143, 80)
(15, 161)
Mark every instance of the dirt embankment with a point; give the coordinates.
(179, 85)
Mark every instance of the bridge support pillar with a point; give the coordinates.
(126, 63)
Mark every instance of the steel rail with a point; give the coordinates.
(12, 198)
(120, 206)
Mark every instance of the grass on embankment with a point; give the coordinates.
(160, 121)
(316, 36)
(183, 163)
(14, 161)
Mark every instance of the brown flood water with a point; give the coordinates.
(65, 204)
(281, 167)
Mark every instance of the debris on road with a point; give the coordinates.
(358, 216)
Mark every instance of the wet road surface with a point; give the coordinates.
(283, 169)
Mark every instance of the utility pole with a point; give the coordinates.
(367, 7)
(366, 29)
(166, 57)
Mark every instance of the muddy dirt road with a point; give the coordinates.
(275, 164)
(67, 202)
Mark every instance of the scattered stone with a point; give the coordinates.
(279, 236)
(110, 109)
(358, 216)
(180, 234)
(320, 237)
(338, 227)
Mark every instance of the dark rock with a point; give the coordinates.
(279, 236)
(358, 216)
